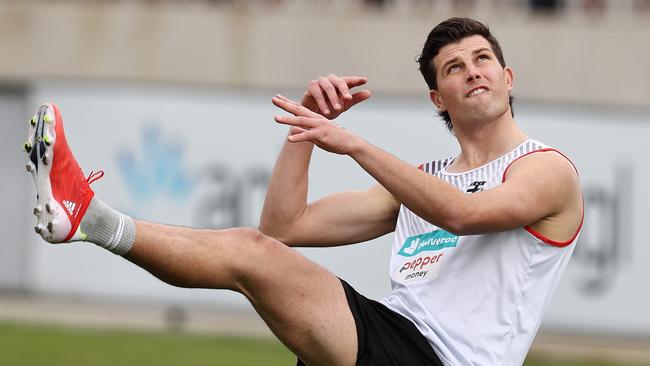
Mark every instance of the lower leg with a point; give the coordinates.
(185, 257)
(180, 256)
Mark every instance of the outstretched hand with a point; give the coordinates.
(308, 126)
(330, 95)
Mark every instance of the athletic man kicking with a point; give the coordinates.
(481, 239)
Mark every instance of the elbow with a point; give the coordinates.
(266, 228)
(458, 222)
(470, 222)
(270, 229)
(276, 232)
(455, 227)
(286, 240)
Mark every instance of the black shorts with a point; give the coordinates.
(385, 337)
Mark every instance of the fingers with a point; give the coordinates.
(359, 97)
(314, 89)
(302, 137)
(341, 85)
(305, 123)
(327, 85)
(296, 133)
(354, 81)
(296, 130)
(333, 90)
(292, 107)
(285, 99)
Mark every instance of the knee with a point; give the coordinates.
(248, 242)
(253, 253)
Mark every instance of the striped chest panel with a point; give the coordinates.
(484, 177)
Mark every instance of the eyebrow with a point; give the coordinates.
(481, 50)
(455, 59)
(448, 62)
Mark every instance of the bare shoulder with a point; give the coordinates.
(553, 178)
(545, 165)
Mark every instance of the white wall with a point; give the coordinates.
(603, 289)
(555, 58)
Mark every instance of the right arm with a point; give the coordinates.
(339, 219)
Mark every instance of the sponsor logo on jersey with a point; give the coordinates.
(435, 240)
(476, 186)
(424, 267)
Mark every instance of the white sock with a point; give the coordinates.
(108, 228)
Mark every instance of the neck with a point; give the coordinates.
(483, 142)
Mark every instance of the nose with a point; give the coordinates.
(472, 74)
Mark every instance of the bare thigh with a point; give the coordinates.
(302, 303)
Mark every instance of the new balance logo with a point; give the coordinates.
(69, 205)
(476, 186)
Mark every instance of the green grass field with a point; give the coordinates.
(31, 346)
(23, 345)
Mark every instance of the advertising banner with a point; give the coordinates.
(203, 157)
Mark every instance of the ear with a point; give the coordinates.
(436, 99)
(509, 76)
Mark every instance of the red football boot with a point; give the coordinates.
(63, 193)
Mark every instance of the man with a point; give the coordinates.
(481, 239)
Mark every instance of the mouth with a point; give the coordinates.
(476, 91)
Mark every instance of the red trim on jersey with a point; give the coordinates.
(421, 166)
(535, 233)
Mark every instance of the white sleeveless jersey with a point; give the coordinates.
(478, 299)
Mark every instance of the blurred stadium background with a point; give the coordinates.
(172, 100)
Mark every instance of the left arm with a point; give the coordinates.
(531, 193)
(539, 187)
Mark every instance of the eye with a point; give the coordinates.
(452, 68)
(483, 57)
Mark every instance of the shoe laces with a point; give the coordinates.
(94, 176)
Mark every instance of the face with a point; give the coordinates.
(472, 85)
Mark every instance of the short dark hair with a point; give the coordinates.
(451, 31)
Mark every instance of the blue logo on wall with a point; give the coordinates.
(155, 167)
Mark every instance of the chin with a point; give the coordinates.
(493, 111)
(483, 115)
